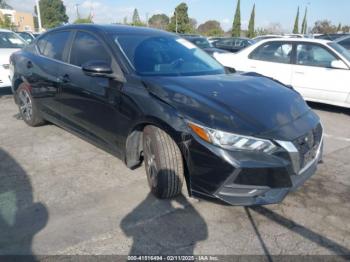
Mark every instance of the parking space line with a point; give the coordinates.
(337, 138)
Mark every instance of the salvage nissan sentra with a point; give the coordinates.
(150, 96)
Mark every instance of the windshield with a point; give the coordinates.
(166, 56)
(344, 52)
(26, 37)
(11, 40)
(200, 42)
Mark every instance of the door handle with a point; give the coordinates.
(299, 72)
(64, 79)
(29, 64)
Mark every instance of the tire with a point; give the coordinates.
(27, 107)
(163, 163)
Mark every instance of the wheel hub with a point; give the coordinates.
(25, 105)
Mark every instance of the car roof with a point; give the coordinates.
(308, 40)
(115, 28)
(5, 30)
(342, 38)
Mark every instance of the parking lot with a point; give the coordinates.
(61, 195)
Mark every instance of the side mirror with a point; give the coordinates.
(338, 64)
(97, 68)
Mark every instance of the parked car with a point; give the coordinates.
(330, 37)
(145, 94)
(264, 37)
(214, 39)
(27, 36)
(9, 43)
(344, 42)
(318, 69)
(233, 44)
(204, 44)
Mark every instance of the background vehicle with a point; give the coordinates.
(344, 42)
(204, 44)
(233, 44)
(145, 94)
(27, 36)
(9, 43)
(318, 69)
(264, 37)
(330, 37)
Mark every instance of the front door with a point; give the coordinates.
(90, 104)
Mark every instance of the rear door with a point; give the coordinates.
(314, 77)
(272, 59)
(42, 70)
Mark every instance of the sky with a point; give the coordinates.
(267, 11)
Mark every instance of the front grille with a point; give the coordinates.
(308, 145)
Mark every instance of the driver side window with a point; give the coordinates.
(314, 55)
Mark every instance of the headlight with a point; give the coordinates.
(232, 141)
(6, 66)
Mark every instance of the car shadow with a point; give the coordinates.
(329, 108)
(20, 217)
(299, 229)
(5, 91)
(161, 227)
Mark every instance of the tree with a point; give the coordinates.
(236, 28)
(251, 26)
(304, 24)
(211, 28)
(296, 23)
(180, 21)
(53, 13)
(136, 17)
(339, 28)
(87, 20)
(160, 21)
(4, 5)
(6, 23)
(346, 29)
(324, 27)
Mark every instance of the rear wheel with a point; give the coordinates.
(27, 107)
(163, 163)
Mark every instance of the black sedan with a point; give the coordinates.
(148, 95)
(204, 44)
(233, 44)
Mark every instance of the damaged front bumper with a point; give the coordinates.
(246, 178)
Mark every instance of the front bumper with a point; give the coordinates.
(245, 178)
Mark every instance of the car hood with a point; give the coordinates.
(5, 54)
(236, 103)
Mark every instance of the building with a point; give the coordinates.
(22, 21)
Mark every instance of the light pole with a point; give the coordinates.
(176, 21)
(39, 15)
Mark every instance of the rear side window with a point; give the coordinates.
(278, 52)
(87, 47)
(53, 44)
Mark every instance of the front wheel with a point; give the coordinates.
(163, 163)
(27, 107)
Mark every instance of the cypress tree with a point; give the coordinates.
(236, 28)
(251, 26)
(304, 24)
(296, 23)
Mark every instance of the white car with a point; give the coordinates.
(9, 43)
(318, 69)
